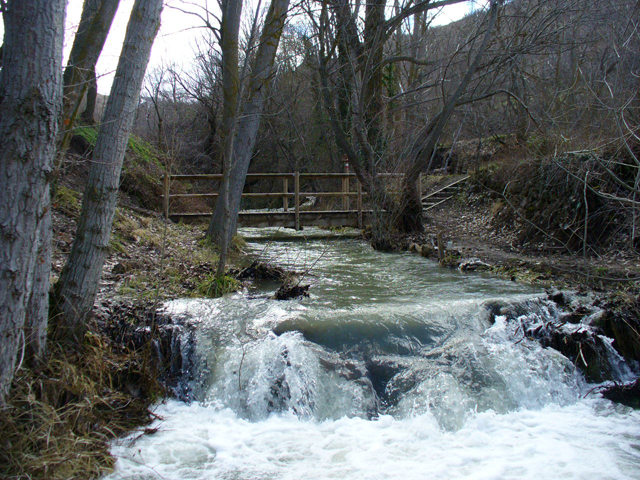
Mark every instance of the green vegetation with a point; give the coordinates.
(136, 147)
(214, 287)
(88, 132)
(142, 171)
(67, 201)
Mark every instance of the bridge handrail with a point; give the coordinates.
(257, 176)
(285, 194)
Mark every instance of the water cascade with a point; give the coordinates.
(393, 368)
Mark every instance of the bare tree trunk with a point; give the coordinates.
(88, 116)
(95, 22)
(78, 284)
(230, 28)
(249, 122)
(30, 97)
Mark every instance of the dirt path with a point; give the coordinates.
(468, 229)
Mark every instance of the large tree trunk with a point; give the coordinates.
(95, 23)
(30, 97)
(247, 125)
(37, 315)
(78, 284)
(230, 28)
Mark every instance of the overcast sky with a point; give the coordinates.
(177, 37)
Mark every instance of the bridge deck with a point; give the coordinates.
(333, 218)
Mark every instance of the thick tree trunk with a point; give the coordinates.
(372, 78)
(247, 125)
(30, 97)
(230, 29)
(95, 23)
(78, 284)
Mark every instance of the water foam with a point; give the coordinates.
(588, 440)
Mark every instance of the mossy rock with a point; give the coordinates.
(451, 259)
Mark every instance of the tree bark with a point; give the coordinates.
(30, 97)
(230, 28)
(249, 122)
(78, 284)
(88, 116)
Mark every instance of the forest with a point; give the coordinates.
(537, 102)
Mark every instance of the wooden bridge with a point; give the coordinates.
(291, 216)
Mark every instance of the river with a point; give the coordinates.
(389, 370)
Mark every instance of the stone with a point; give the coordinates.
(473, 265)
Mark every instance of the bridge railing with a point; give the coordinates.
(346, 191)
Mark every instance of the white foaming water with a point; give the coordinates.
(586, 440)
(391, 372)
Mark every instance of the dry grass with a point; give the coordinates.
(61, 415)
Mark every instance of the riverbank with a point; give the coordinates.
(469, 231)
(609, 284)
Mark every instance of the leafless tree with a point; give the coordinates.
(76, 289)
(222, 226)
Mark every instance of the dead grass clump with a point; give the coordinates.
(62, 414)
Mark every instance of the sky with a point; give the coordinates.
(177, 37)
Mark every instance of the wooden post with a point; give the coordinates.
(440, 247)
(285, 188)
(165, 199)
(345, 191)
(296, 199)
(360, 219)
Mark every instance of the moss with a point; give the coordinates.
(67, 201)
(144, 151)
(89, 133)
(141, 150)
(142, 170)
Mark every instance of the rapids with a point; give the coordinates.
(390, 370)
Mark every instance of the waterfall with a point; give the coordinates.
(393, 368)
